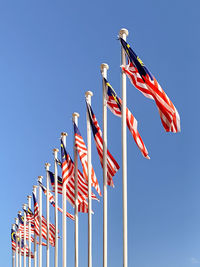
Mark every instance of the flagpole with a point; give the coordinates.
(20, 253)
(55, 150)
(35, 236)
(88, 96)
(16, 239)
(29, 234)
(47, 165)
(40, 223)
(64, 200)
(123, 34)
(104, 68)
(75, 120)
(24, 207)
(13, 252)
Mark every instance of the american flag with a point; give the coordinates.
(145, 82)
(114, 103)
(44, 224)
(112, 165)
(82, 151)
(52, 201)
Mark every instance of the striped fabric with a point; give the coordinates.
(146, 83)
(44, 225)
(114, 104)
(112, 165)
(52, 201)
(82, 151)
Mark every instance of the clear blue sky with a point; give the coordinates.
(50, 54)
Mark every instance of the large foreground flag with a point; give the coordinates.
(144, 81)
(112, 165)
(82, 151)
(115, 105)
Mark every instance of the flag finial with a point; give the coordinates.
(123, 32)
(19, 212)
(47, 165)
(64, 134)
(24, 206)
(75, 114)
(29, 197)
(88, 93)
(104, 66)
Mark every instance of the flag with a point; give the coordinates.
(145, 82)
(44, 224)
(112, 165)
(115, 105)
(21, 226)
(67, 165)
(82, 151)
(52, 201)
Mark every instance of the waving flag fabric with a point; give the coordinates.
(145, 82)
(112, 165)
(82, 151)
(115, 105)
(52, 201)
(44, 224)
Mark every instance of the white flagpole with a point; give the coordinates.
(16, 238)
(40, 223)
(13, 252)
(123, 34)
(75, 119)
(88, 96)
(20, 238)
(29, 234)
(35, 236)
(55, 150)
(47, 165)
(24, 207)
(64, 201)
(104, 68)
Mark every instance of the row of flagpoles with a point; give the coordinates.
(75, 186)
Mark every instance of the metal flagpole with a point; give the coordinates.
(20, 239)
(75, 120)
(47, 165)
(104, 68)
(40, 223)
(29, 234)
(55, 150)
(16, 239)
(24, 207)
(88, 96)
(123, 34)
(35, 236)
(64, 201)
(13, 252)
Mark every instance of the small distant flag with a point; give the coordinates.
(145, 82)
(52, 201)
(112, 165)
(115, 105)
(82, 151)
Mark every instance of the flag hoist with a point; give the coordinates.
(16, 241)
(20, 244)
(64, 201)
(35, 236)
(75, 116)
(24, 245)
(88, 96)
(123, 34)
(104, 68)
(40, 224)
(47, 165)
(55, 150)
(13, 251)
(29, 234)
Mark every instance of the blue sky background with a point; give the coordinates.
(50, 55)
